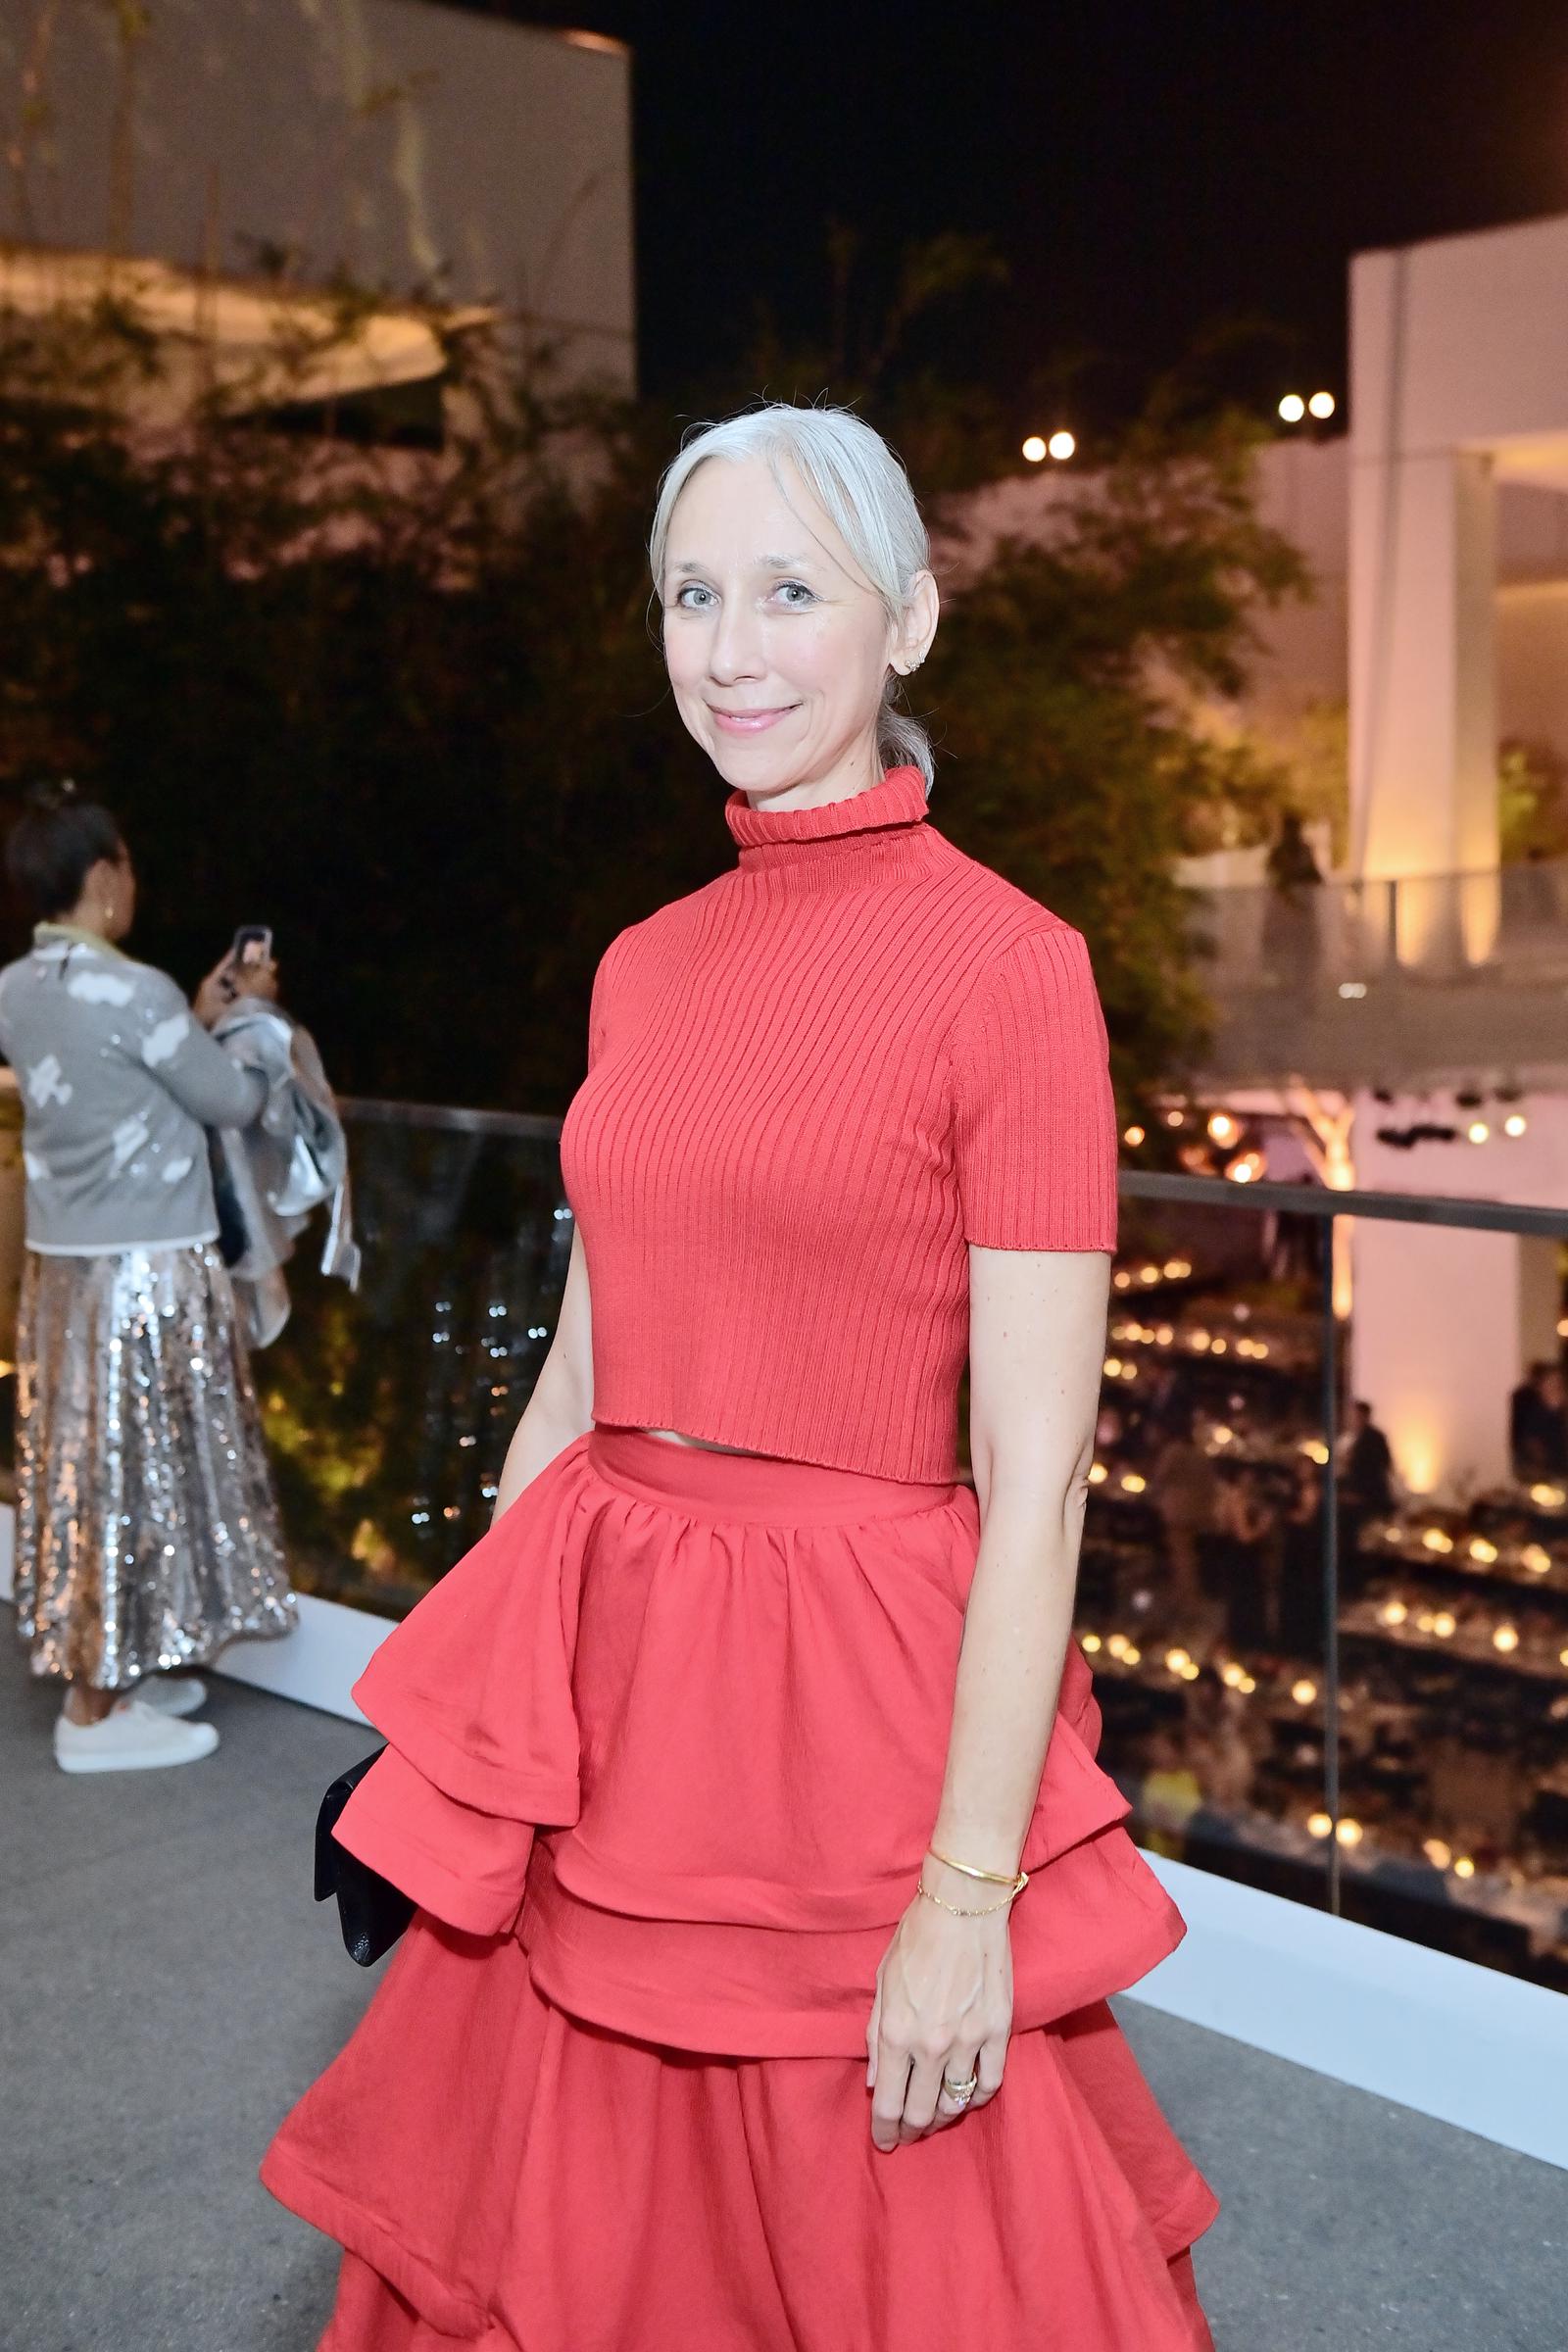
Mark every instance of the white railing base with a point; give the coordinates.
(1465, 2044)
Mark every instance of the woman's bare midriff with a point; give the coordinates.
(676, 1437)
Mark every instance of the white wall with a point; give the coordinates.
(413, 147)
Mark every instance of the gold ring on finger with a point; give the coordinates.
(961, 2092)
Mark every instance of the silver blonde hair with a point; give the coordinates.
(864, 492)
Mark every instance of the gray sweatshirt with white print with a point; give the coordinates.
(118, 1084)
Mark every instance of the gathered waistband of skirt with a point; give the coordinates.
(765, 1488)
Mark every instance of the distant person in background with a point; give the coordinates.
(147, 1533)
(1291, 915)
(1538, 1425)
(1366, 1462)
(1184, 1488)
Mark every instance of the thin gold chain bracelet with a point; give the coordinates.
(956, 1909)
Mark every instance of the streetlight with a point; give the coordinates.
(1321, 405)
(1061, 446)
(1034, 449)
(1293, 407)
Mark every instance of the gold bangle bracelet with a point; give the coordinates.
(1017, 1880)
(956, 1909)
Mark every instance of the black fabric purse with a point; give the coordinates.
(371, 1912)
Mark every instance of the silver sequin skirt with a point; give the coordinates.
(147, 1529)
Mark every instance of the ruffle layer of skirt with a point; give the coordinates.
(719, 1686)
(506, 2178)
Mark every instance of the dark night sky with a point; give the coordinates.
(1146, 170)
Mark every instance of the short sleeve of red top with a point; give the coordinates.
(1034, 1115)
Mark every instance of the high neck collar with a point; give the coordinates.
(75, 935)
(845, 837)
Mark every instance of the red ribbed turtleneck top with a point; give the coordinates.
(810, 1084)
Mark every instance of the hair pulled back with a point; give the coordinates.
(864, 490)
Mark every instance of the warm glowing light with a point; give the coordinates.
(1478, 1131)
(1393, 1612)
(602, 43)
(1061, 446)
(1113, 1367)
(1246, 1686)
(1220, 1346)
(1537, 1558)
(1437, 1854)
(1248, 1168)
(1224, 1436)
(1132, 1482)
(1121, 1277)
(1563, 1327)
(1191, 1670)
(1132, 1655)
(1090, 1643)
(1304, 1693)
(1232, 1674)
(1480, 1550)
(1200, 1339)
(1177, 1270)
(1350, 1832)
(1149, 1273)
(1424, 1621)
(1505, 1637)
(1321, 405)
(1034, 449)
(1443, 1625)
(1165, 1333)
(1316, 1451)
(1097, 1474)
(1117, 1643)
(1464, 1868)
(1319, 1825)
(1515, 1123)
(1175, 1118)
(1551, 1497)
(1222, 1127)
(1293, 407)
(1133, 1136)
(1436, 1540)
(1176, 1659)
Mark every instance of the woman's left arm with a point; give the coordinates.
(944, 1997)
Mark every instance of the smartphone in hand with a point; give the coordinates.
(253, 944)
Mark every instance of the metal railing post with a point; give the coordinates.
(1330, 1544)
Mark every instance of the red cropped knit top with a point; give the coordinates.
(810, 1084)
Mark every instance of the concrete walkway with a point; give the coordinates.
(169, 1987)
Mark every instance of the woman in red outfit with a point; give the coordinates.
(727, 2021)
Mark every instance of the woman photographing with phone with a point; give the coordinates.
(147, 1531)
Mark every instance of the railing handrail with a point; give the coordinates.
(451, 1117)
(1322, 1200)
(1331, 881)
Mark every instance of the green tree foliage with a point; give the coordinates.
(408, 706)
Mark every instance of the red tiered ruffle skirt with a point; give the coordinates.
(665, 1750)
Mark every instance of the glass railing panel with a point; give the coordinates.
(1201, 1603)
(1453, 1631)
(389, 1411)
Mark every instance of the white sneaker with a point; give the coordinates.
(131, 1737)
(173, 1693)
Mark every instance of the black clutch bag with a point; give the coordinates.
(371, 1912)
